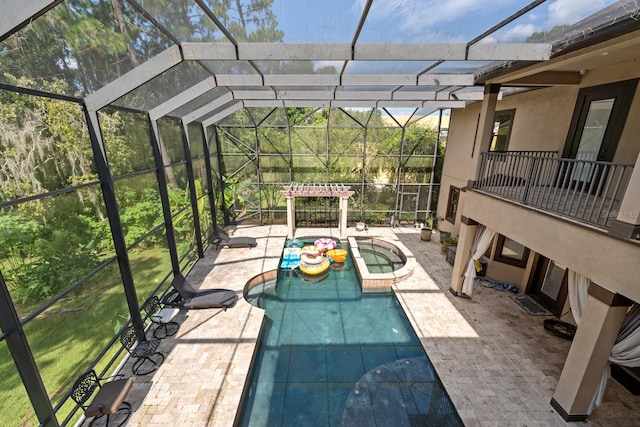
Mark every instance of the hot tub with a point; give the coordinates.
(380, 263)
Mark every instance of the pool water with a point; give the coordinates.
(332, 356)
(380, 258)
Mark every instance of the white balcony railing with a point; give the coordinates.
(586, 190)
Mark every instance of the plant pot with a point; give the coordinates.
(425, 234)
(360, 226)
(444, 235)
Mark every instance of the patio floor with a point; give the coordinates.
(498, 364)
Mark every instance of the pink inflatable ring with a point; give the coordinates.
(325, 244)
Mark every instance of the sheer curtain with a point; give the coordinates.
(481, 242)
(626, 350)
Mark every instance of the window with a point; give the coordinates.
(452, 204)
(511, 252)
(598, 119)
(502, 124)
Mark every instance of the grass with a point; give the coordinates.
(67, 337)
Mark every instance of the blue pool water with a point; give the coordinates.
(332, 356)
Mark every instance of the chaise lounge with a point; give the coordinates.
(185, 296)
(224, 240)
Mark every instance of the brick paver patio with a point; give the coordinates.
(496, 361)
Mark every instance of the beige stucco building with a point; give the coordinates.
(560, 186)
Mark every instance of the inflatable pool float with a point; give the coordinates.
(337, 255)
(290, 258)
(313, 269)
(311, 278)
(311, 259)
(293, 243)
(325, 243)
(310, 250)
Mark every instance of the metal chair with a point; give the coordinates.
(108, 400)
(144, 351)
(161, 317)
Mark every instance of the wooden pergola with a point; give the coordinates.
(316, 190)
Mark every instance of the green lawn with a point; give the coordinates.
(69, 335)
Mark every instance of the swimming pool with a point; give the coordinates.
(330, 355)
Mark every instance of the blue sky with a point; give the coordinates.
(422, 21)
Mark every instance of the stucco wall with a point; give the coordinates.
(610, 262)
(541, 122)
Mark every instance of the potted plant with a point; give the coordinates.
(432, 222)
(444, 235)
(425, 233)
(448, 241)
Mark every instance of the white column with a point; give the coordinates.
(467, 235)
(291, 216)
(344, 203)
(589, 353)
(485, 126)
(627, 222)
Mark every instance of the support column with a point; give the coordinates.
(589, 353)
(344, 204)
(291, 216)
(468, 228)
(485, 127)
(627, 222)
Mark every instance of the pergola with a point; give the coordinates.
(317, 190)
(198, 62)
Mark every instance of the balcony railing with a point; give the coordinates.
(586, 190)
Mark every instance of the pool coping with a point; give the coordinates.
(381, 282)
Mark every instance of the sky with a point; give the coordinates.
(422, 21)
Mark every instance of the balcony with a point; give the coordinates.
(588, 191)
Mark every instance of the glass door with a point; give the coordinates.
(596, 126)
(550, 285)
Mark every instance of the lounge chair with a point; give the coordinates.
(185, 296)
(224, 240)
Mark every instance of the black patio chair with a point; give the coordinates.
(108, 400)
(185, 296)
(161, 317)
(224, 240)
(144, 351)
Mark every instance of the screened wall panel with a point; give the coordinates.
(311, 168)
(139, 204)
(238, 140)
(275, 169)
(88, 317)
(346, 141)
(368, 150)
(170, 143)
(346, 168)
(194, 131)
(127, 141)
(20, 410)
(309, 141)
(273, 140)
(150, 263)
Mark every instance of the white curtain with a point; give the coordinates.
(626, 350)
(481, 242)
(578, 286)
